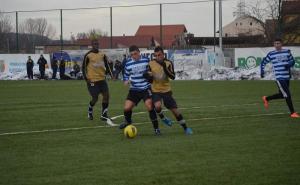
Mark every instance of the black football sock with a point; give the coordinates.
(153, 118)
(90, 108)
(127, 115)
(275, 96)
(104, 109)
(181, 121)
(290, 104)
(160, 114)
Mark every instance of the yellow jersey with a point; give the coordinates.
(94, 66)
(162, 72)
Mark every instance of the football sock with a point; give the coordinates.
(160, 114)
(290, 104)
(90, 108)
(274, 97)
(153, 118)
(181, 121)
(127, 115)
(104, 109)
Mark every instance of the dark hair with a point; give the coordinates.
(133, 48)
(158, 48)
(278, 40)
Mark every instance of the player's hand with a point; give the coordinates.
(164, 65)
(148, 76)
(126, 83)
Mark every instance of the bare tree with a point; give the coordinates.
(92, 34)
(5, 28)
(37, 32)
(38, 27)
(268, 14)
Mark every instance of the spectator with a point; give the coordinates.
(123, 64)
(29, 66)
(42, 62)
(62, 66)
(76, 69)
(54, 66)
(118, 68)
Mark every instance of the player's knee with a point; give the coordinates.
(128, 107)
(105, 98)
(94, 100)
(149, 104)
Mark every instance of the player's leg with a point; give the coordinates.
(128, 106)
(157, 101)
(94, 92)
(152, 114)
(276, 96)
(284, 88)
(171, 104)
(105, 100)
(133, 98)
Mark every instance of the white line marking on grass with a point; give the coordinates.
(202, 107)
(141, 123)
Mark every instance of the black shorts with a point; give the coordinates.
(96, 88)
(167, 98)
(137, 96)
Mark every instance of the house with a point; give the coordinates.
(146, 36)
(173, 35)
(243, 26)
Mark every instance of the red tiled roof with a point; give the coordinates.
(120, 41)
(142, 37)
(167, 30)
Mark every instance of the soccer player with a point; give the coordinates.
(140, 88)
(94, 67)
(282, 60)
(161, 71)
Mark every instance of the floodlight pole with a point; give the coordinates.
(160, 25)
(214, 25)
(17, 33)
(111, 29)
(61, 31)
(220, 25)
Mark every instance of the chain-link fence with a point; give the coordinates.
(28, 31)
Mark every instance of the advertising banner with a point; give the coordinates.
(15, 63)
(249, 58)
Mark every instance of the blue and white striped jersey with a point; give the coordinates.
(282, 61)
(134, 71)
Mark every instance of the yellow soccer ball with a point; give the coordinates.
(130, 131)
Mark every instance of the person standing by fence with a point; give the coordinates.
(42, 62)
(29, 66)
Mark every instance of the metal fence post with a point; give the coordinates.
(17, 33)
(111, 29)
(160, 25)
(61, 31)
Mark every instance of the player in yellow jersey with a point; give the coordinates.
(161, 71)
(94, 67)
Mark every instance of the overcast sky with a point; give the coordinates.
(197, 17)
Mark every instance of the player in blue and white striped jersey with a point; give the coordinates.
(140, 89)
(282, 61)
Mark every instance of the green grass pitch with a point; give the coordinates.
(235, 140)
